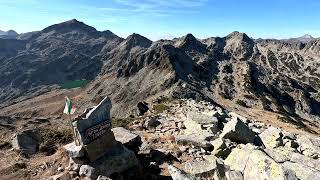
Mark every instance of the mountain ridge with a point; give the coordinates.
(270, 75)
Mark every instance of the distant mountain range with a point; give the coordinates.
(281, 76)
(11, 34)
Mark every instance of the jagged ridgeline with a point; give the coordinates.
(279, 76)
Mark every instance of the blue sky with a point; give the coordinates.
(169, 18)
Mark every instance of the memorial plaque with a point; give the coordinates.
(93, 129)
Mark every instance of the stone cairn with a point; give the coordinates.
(95, 152)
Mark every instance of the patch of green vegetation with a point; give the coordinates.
(159, 108)
(265, 103)
(241, 103)
(52, 137)
(121, 122)
(75, 84)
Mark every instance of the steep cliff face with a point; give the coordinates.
(272, 75)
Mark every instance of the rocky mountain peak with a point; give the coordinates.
(307, 36)
(239, 36)
(71, 25)
(10, 34)
(137, 40)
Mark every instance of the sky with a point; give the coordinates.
(158, 19)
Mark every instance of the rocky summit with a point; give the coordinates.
(224, 108)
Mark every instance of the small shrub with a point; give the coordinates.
(241, 103)
(159, 108)
(52, 137)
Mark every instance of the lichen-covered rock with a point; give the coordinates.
(260, 166)
(222, 147)
(178, 174)
(309, 146)
(234, 175)
(198, 140)
(199, 122)
(280, 154)
(238, 131)
(305, 160)
(272, 137)
(238, 157)
(302, 172)
(211, 167)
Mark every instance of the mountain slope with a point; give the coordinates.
(234, 71)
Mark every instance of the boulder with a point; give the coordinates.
(117, 160)
(238, 131)
(73, 150)
(261, 166)
(199, 122)
(221, 147)
(142, 108)
(127, 138)
(272, 137)
(151, 122)
(88, 171)
(239, 156)
(234, 175)
(75, 164)
(305, 160)
(178, 174)
(211, 167)
(302, 172)
(280, 154)
(26, 141)
(198, 140)
(309, 146)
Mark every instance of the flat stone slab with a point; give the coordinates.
(126, 137)
(73, 150)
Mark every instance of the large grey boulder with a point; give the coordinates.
(198, 140)
(238, 131)
(211, 167)
(239, 156)
(280, 154)
(117, 160)
(178, 174)
(198, 122)
(73, 150)
(126, 137)
(221, 147)
(142, 108)
(272, 137)
(303, 172)
(309, 146)
(151, 122)
(305, 160)
(26, 141)
(261, 166)
(234, 175)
